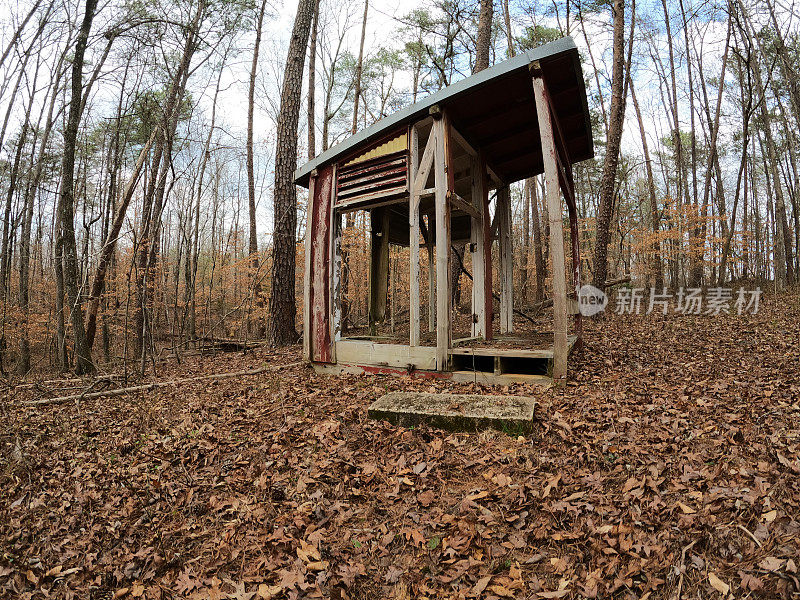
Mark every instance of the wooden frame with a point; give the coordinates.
(554, 208)
(503, 216)
(435, 162)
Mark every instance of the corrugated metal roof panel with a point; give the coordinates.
(496, 112)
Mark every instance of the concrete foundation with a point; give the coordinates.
(456, 412)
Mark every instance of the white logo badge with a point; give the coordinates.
(591, 300)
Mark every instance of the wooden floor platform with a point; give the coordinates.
(505, 360)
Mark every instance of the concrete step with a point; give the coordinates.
(456, 412)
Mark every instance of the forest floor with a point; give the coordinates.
(668, 467)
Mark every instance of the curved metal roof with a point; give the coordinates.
(495, 111)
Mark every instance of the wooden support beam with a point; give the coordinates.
(336, 274)
(576, 255)
(462, 141)
(307, 260)
(477, 240)
(431, 288)
(427, 237)
(463, 205)
(488, 292)
(442, 246)
(506, 260)
(554, 209)
(378, 267)
(424, 167)
(413, 246)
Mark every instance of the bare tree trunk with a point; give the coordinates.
(484, 36)
(526, 236)
(696, 239)
(154, 196)
(83, 357)
(697, 276)
(658, 274)
(509, 34)
(481, 63)
(312, 84)
(18, 31)
(784, 272)
(538, 254)
(284, 215)
(617, 115)
(24, 364)
(359, 70)
(682, 175)
(251, 177)
(110, 243)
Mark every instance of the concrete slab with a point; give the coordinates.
(456, 412)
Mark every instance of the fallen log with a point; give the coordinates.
(618, 281)
(157, 384)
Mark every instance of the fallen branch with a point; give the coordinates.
(157, 384)
(618, 281)
(683, 568)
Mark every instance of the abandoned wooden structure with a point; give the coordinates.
(424, 174)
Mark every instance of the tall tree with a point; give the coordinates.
(312, 84)
(484, 42)
(359, 69)
(251, 176)
(658, 274)
(616, 118)
(83, 357)
(284, 214)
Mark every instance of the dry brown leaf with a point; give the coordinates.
(478, 588)
(267, 592)
(771, 563)
(719, 585)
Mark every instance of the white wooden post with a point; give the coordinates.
(478, 255)
(336, 275)
(413, 246)
(506, 260)
(442, 247)
(307, 280)
(431, 285)
(554, 210)
(335, 259)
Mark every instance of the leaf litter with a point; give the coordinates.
(667, 465)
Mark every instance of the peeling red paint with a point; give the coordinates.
(320, 267)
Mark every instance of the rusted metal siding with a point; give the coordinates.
(385, 175)
(320, 265)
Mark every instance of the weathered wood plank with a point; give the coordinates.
(334, 227)
(392, 355)
(307, 268)
(413, 222)
(336, 302)
(462, 141)
(478, 328)
(425, 164)
(442, 246)
(320, 253)
(506, 260)
(463, 205)
(556, 232)
(378, 266)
